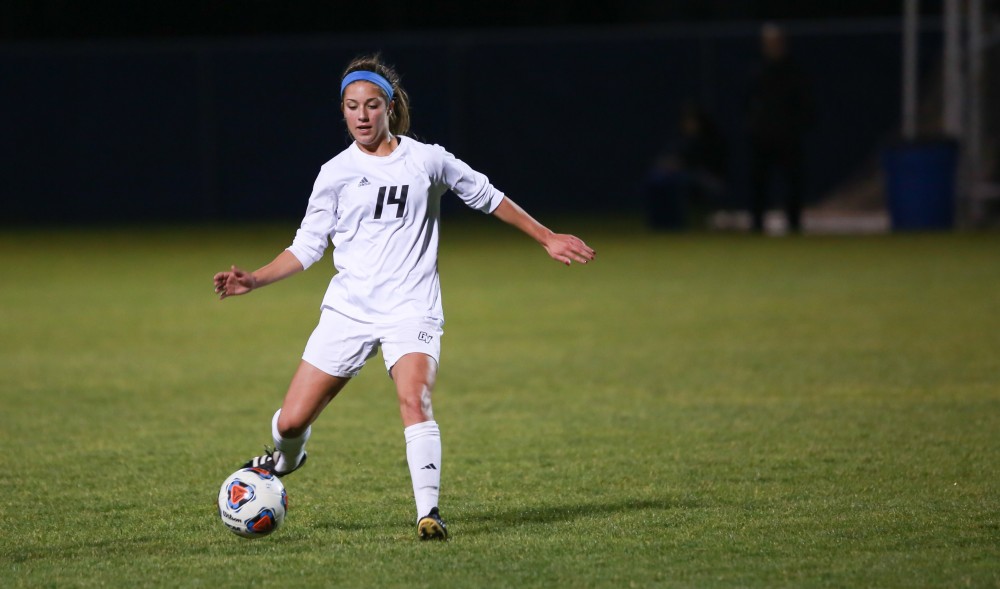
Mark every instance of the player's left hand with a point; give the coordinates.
(567, 249)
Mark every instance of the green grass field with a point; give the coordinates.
(688, 411)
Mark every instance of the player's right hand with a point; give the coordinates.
(234, 282)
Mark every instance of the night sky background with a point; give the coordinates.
(144, 110)
(72, 19)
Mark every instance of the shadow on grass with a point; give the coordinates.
(476, 522)
(547, 514)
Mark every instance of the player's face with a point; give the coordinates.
(366, 114)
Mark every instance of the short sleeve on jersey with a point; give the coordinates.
(472, 187)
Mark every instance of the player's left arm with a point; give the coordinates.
(561, 247)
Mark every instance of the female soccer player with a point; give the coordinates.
(378, 201)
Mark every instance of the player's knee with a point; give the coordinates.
(416, 403)
(410, 403)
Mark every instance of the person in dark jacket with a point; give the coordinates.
(688, 180)
(780, 110)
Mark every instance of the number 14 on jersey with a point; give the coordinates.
(399, 201)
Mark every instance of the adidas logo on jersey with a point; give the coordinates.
(364, 182)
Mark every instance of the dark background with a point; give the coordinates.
(126, 111)
(72, 19)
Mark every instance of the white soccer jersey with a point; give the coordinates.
(382, 214)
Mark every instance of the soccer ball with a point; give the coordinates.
(252, 502)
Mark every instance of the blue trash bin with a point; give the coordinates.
(920, 184)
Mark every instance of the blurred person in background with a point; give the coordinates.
(687, 181)
(779, 111)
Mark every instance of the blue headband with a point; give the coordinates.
(367, 77)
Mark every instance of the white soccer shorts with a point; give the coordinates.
(340, 345)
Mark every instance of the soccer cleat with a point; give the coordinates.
(267, 462)
(432, 527)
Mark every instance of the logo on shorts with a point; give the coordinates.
(425, 337)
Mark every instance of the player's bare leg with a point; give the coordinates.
(310, 391)
(415, 375)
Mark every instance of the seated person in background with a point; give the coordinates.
(686, 183)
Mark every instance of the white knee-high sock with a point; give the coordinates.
(291, 449)
(423, 455)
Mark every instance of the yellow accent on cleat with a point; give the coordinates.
(430, 527)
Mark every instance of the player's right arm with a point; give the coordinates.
(239, 282)
(310, 242)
